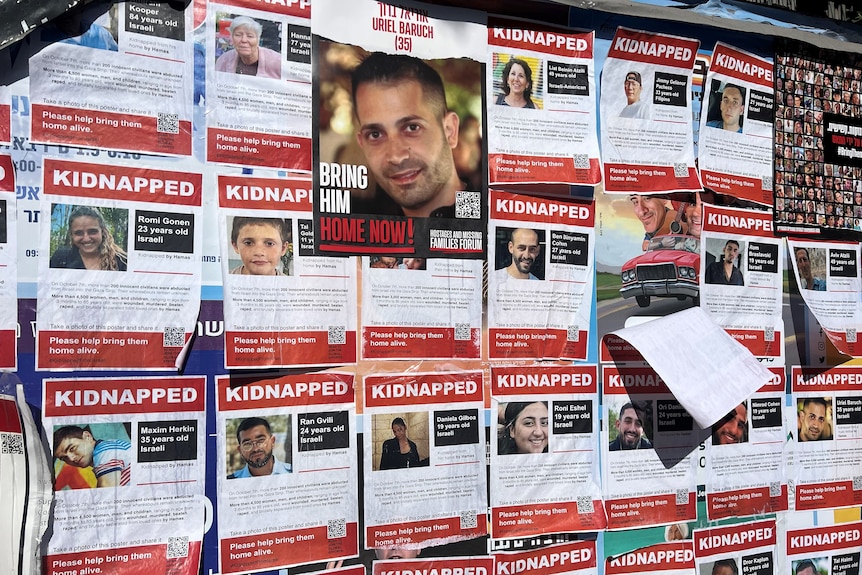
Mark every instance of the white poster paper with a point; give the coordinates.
(828, 276)
(128, 474)
(424, 458)
(286, 475)
(645, 427)
(541, 99)
(259, 83)
(735, 137)
(647, 135)
(540, 277)
(119, 266)
(415, 308)
(742, 279)
(283, 306)
(125, 83)
(547, 422)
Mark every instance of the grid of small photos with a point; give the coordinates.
(813, 194)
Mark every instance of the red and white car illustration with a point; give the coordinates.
(669, 268)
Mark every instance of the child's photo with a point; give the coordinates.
(263, 246)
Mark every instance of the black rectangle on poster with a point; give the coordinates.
(672, 416)
(569, 79)
(569, 248)
(758, 564)
(842, 263)
(573, 417)
(167, 441)
(766, 412)
(848, 410)
(456, 427)
(164, 232)
(323, 430)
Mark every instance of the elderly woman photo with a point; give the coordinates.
(89, 244)
(517, 85)
(248, 57)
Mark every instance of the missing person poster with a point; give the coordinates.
(417, 308)
(424, 459)
(823, 549)
(735, 137)
(741, 274)
(128, 457)
(576, 558)
(258, 70)
(546, 422)
(647, 133)
(540, 277)
(648, 472)
(8, 266)
(287, 475)
(745, 460)
(460, 565)
(674, 558)
(125, 83)
(818, 148)
(827, 431)
(749, 548)
(119, 265)
(541, 102)
(828, 276)
(398, 101)
(283, 306)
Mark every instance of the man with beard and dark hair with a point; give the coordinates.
(630, 429)
(255, 443)
(407, 133)
(524, 249)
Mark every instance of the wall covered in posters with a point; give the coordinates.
(324, 288)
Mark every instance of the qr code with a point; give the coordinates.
(468, 205)
(857, 483)
(851, 335)
(585, 504)
(336, 528)
(178, 547)
(766, 183)
(680, 170)
(335, 335)
(168, 123)
(775, 489)
(12, 443)
(468, 520)
(682, 496)
(173, 337)
(769, 334)
(582, 162)
(462, 332)
(573, 333)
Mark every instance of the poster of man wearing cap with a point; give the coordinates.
(635, 108)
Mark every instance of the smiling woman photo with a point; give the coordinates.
(526, 428)
(517, 85)
(89, 244)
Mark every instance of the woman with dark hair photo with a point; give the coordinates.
(526, 428)
(399, 452)
(517, 85)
